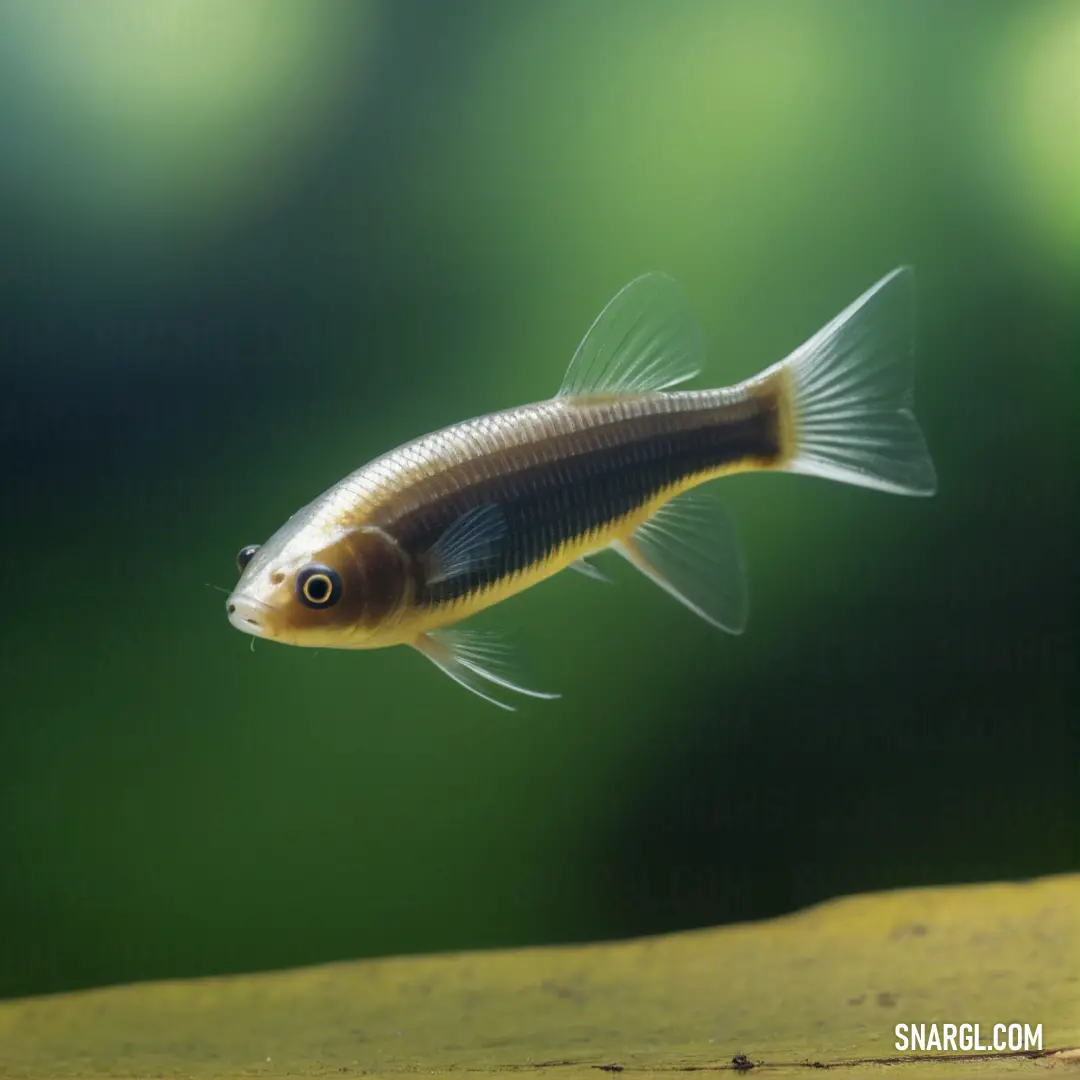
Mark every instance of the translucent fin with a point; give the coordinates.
(476, 660)
(472, 543)
(688, 547)
(587, 568)
(645, 339)
(853, 393)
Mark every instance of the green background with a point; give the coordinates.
(247, 247)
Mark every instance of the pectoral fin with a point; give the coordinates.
(471, 544)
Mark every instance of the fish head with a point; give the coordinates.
(317, 585)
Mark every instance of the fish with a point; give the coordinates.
(406, 548)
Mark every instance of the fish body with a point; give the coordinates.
(408, 546)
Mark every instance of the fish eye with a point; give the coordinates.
(318, 586)
(243, 556)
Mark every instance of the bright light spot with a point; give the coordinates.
(1040, 125)
(126, 117)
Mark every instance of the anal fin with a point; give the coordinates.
(583, 566)
(476, 660)
(688, 548)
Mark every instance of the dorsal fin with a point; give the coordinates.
(646, 339)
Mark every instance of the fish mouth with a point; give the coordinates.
(249, 616)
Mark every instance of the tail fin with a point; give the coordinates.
(849, 395)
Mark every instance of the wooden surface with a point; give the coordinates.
(824, 987)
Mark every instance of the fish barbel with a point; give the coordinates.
(405, 548)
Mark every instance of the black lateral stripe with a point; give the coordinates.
(586, 488)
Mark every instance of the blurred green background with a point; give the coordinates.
(247, 247)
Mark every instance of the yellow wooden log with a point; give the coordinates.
(824, 987)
